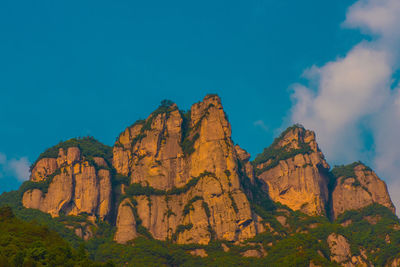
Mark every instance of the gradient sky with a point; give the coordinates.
(77, 68)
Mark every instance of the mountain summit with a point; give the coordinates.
(178, 177)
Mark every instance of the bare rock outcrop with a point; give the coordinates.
(43, 168)
(73, 185)
(339, 247)
(357, 186)
(294, 170)
(341, 252)
(246, 167)
(191, 158)
(126, 223)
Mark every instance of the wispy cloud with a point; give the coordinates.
(261, 124)
(353, 93)
(18, 168)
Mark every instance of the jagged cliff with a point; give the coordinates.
(177, 176)
(295, 171)
(71, 184)
(357, 186)
(170, 150)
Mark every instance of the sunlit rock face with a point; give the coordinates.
(75, 185)
(361, 189)
(178, 176)
(298, 177)
(169, 150)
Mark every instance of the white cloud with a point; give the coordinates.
(354, 93)
(19, 168)
(387, 138)
(379, 17)
(347, 90)
(261, 124)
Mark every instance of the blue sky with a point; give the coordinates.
(77, 68)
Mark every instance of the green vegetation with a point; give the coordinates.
(31, 244)
(273, 154)
(118, 179)
(13, 199)
(294, 245)
(345, 172)
(189, 206)
(89, 147)
(137, 189)
(372, 237)
(188, 144)
(32, 238)
(42, 185)
(180, 229)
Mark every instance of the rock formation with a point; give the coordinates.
(169, 151)
(339, 247)
(177, 176)
(294, 170)
(126, 222)
(341, 252)
(71, 184)
(357, 186)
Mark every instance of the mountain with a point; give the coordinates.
(175, 190)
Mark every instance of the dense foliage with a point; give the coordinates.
(293, 244)
(344, 172)
(31, 244)
(13, 199)
(378, 235)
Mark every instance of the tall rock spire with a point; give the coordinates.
(190, 163)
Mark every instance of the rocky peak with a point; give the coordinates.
(358, 186)
(47, 166)
(242, 154)
(199, 110)
(178, 176)
(189, 164)
(73, 177)
(296, 137)
(295, 171)
(155, 150)
(148, 150)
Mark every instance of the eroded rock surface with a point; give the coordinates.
(364, 189)
(297, 178)
(340, 248)
(126, 223)
(169, 150)
(75, 185)
(179, 177)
